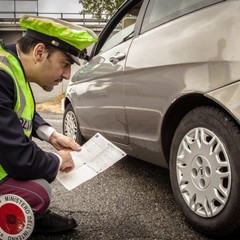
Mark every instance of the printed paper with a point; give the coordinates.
(96, 155)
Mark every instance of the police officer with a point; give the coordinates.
(44, 56)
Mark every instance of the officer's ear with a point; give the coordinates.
(38, 52)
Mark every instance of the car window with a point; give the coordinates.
(161, 11)
(119, 36)
(122, 28)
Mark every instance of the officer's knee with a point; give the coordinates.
(43, 197)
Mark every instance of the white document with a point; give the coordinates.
(96, 155)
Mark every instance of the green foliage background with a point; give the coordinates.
(100, 8)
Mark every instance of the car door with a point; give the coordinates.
(98, 90)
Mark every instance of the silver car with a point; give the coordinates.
(163, 84)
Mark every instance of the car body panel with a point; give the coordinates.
(228, 97)
(129, 101)
(168, 73)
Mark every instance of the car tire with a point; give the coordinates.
(71, 126)
(205, 171)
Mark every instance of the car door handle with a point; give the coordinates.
(117, 57)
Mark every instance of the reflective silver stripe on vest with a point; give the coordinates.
(23, 102)
(22, 97)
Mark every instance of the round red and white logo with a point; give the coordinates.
(16, 218)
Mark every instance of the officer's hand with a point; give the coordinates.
(62, 142)
(67, 163)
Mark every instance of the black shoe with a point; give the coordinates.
(51, 223)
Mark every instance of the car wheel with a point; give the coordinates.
(70, 125)
(205, 170)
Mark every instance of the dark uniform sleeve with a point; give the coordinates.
(20, 157)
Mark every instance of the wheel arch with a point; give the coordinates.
(66, 102)
(177, 111)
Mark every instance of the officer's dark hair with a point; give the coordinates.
(26, 44)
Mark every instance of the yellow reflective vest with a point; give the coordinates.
(24, 106)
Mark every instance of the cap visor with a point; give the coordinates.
(75, 59)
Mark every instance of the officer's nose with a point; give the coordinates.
(67, 73)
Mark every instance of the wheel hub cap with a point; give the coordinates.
(70, 125)
(203, 172)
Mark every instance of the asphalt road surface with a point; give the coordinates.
(130, 200)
